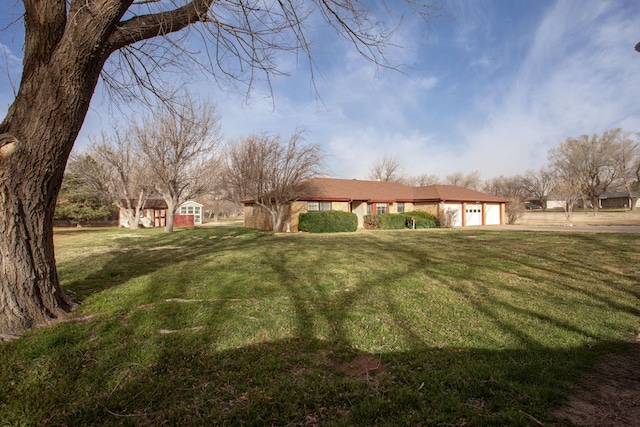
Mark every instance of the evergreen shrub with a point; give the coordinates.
(399, 221)
(423, 219)
(389, 221)
(327, 222)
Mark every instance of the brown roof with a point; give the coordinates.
(149, 204)
(379, 191)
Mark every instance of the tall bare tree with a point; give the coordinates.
(66, 46)
(269, 170)
(568, 187)
(472, 180)
(113, 167)
(539, 184)
(178, 145)
(588, 159)
(626, 161)
(388, 168)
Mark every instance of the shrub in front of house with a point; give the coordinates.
(371, 222)
(447, 218)
(389, 221)
(385, 221)
(327, 222)
(423, 219)
(399, 221)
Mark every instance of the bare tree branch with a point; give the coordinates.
(539, 184)
(388, 168)
(178, 144)
(587, 159)
(269, 171)
(472, 180)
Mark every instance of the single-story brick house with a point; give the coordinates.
(155, 214)
(375, 197)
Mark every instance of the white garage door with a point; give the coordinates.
(493, 214)
(473, 214)
(456, 211)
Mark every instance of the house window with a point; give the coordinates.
(369, 208)
(400, 207)
(318, 206)
(381, 208)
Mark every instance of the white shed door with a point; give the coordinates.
(473, 214)
(457, 208)
(493, 214)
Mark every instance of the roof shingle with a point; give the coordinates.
(380, 191)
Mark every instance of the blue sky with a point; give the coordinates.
(490, 89)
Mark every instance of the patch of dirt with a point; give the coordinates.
(608, 396)
(362, 366)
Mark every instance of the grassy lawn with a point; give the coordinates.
(230, 326)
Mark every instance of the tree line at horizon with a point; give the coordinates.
(584, 168)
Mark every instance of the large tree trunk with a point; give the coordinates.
(30, 293)
(595, 204)
(277, 218)
(171, 210)
(46, 116)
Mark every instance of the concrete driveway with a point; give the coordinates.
(633, 229)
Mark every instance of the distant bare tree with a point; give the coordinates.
(388, 168)
(421, 180)
(178, 144)
(538, 184)
(472, 180)
(217, 207)
(626, 161)
(568, 187)
(588, 159)
(509, 188)
(269, 170)
(112, 166)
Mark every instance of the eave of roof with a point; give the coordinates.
(389, 192)
(349, 190)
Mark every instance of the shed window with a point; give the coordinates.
(318, 206)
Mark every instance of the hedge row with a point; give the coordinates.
(327, 222)
(399, 221)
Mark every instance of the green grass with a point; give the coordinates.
(227, 326)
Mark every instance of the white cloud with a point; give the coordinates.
(580, 76)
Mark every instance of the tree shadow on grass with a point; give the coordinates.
(298, 382)
(146, 251)
(163, 364)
